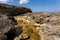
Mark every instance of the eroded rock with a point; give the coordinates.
(13, 10)
(30, 29)
(5, 25)
(29, 26)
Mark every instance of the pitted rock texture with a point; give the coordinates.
(30, 29)
(49, 24)
(37, 26)
(28, 26)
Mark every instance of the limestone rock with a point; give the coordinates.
(40, 17)
(5, 25)
(50, 26)
(30, 29)
(28, 26)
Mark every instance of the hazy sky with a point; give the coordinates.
(36, 5)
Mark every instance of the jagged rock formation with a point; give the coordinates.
(7, 22)
(13, 10)
(49, 24)
(5, 25)
(31, 30)
(28, 26)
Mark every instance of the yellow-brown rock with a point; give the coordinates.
(31, 30)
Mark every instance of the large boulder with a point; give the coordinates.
(5, 24)
(13, 10)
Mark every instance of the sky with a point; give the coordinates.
(36, 5)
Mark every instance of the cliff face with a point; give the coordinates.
(28, 26)
(13, 10)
